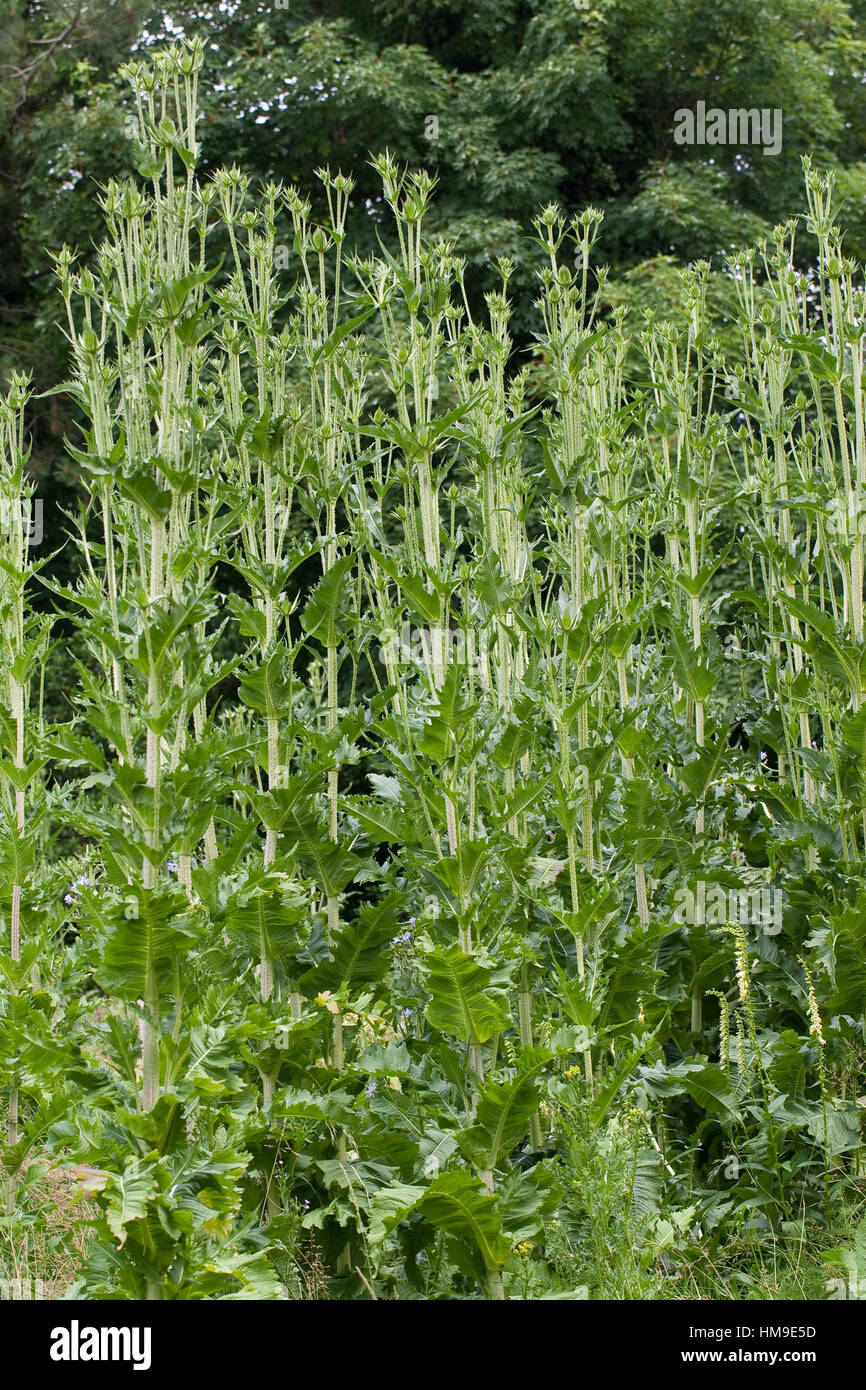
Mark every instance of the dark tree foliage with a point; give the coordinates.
(511, 103)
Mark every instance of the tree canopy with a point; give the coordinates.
(511, 104)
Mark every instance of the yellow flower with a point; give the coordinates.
(815, 1027)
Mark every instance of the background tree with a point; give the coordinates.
(510, 103)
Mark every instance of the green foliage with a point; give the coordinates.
(518, 954)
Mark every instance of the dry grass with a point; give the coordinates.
(311, 1265)
(46, 1259)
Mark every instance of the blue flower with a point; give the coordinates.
(370, 1090)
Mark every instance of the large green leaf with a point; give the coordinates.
(441, 729)
(527, 1199)
(390, 1206)
(503, 1111)
(334, 1107)
(267, 921)
(358, 953)
(383, 825)
(459, 1005)
(707, 1084)
(126, 1195)
(457, 1204)
(321, 617)
(267, 688)
(150, 932)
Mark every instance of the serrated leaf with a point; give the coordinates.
(459, 1005)
(456, 1204)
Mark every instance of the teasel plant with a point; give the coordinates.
(597, 521)
(358, 450)
(459, 690)
(569, 612)
(573, 612)
(25, 637)
(135, 332)
(684, 372)
(415, 311)
(295, 398)
(778, 453)
(805, 430)
(138, 327)
(495, 638)
(620, 524)
(685, 368)
(259, 454)
(329, 428)
(418, 572)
